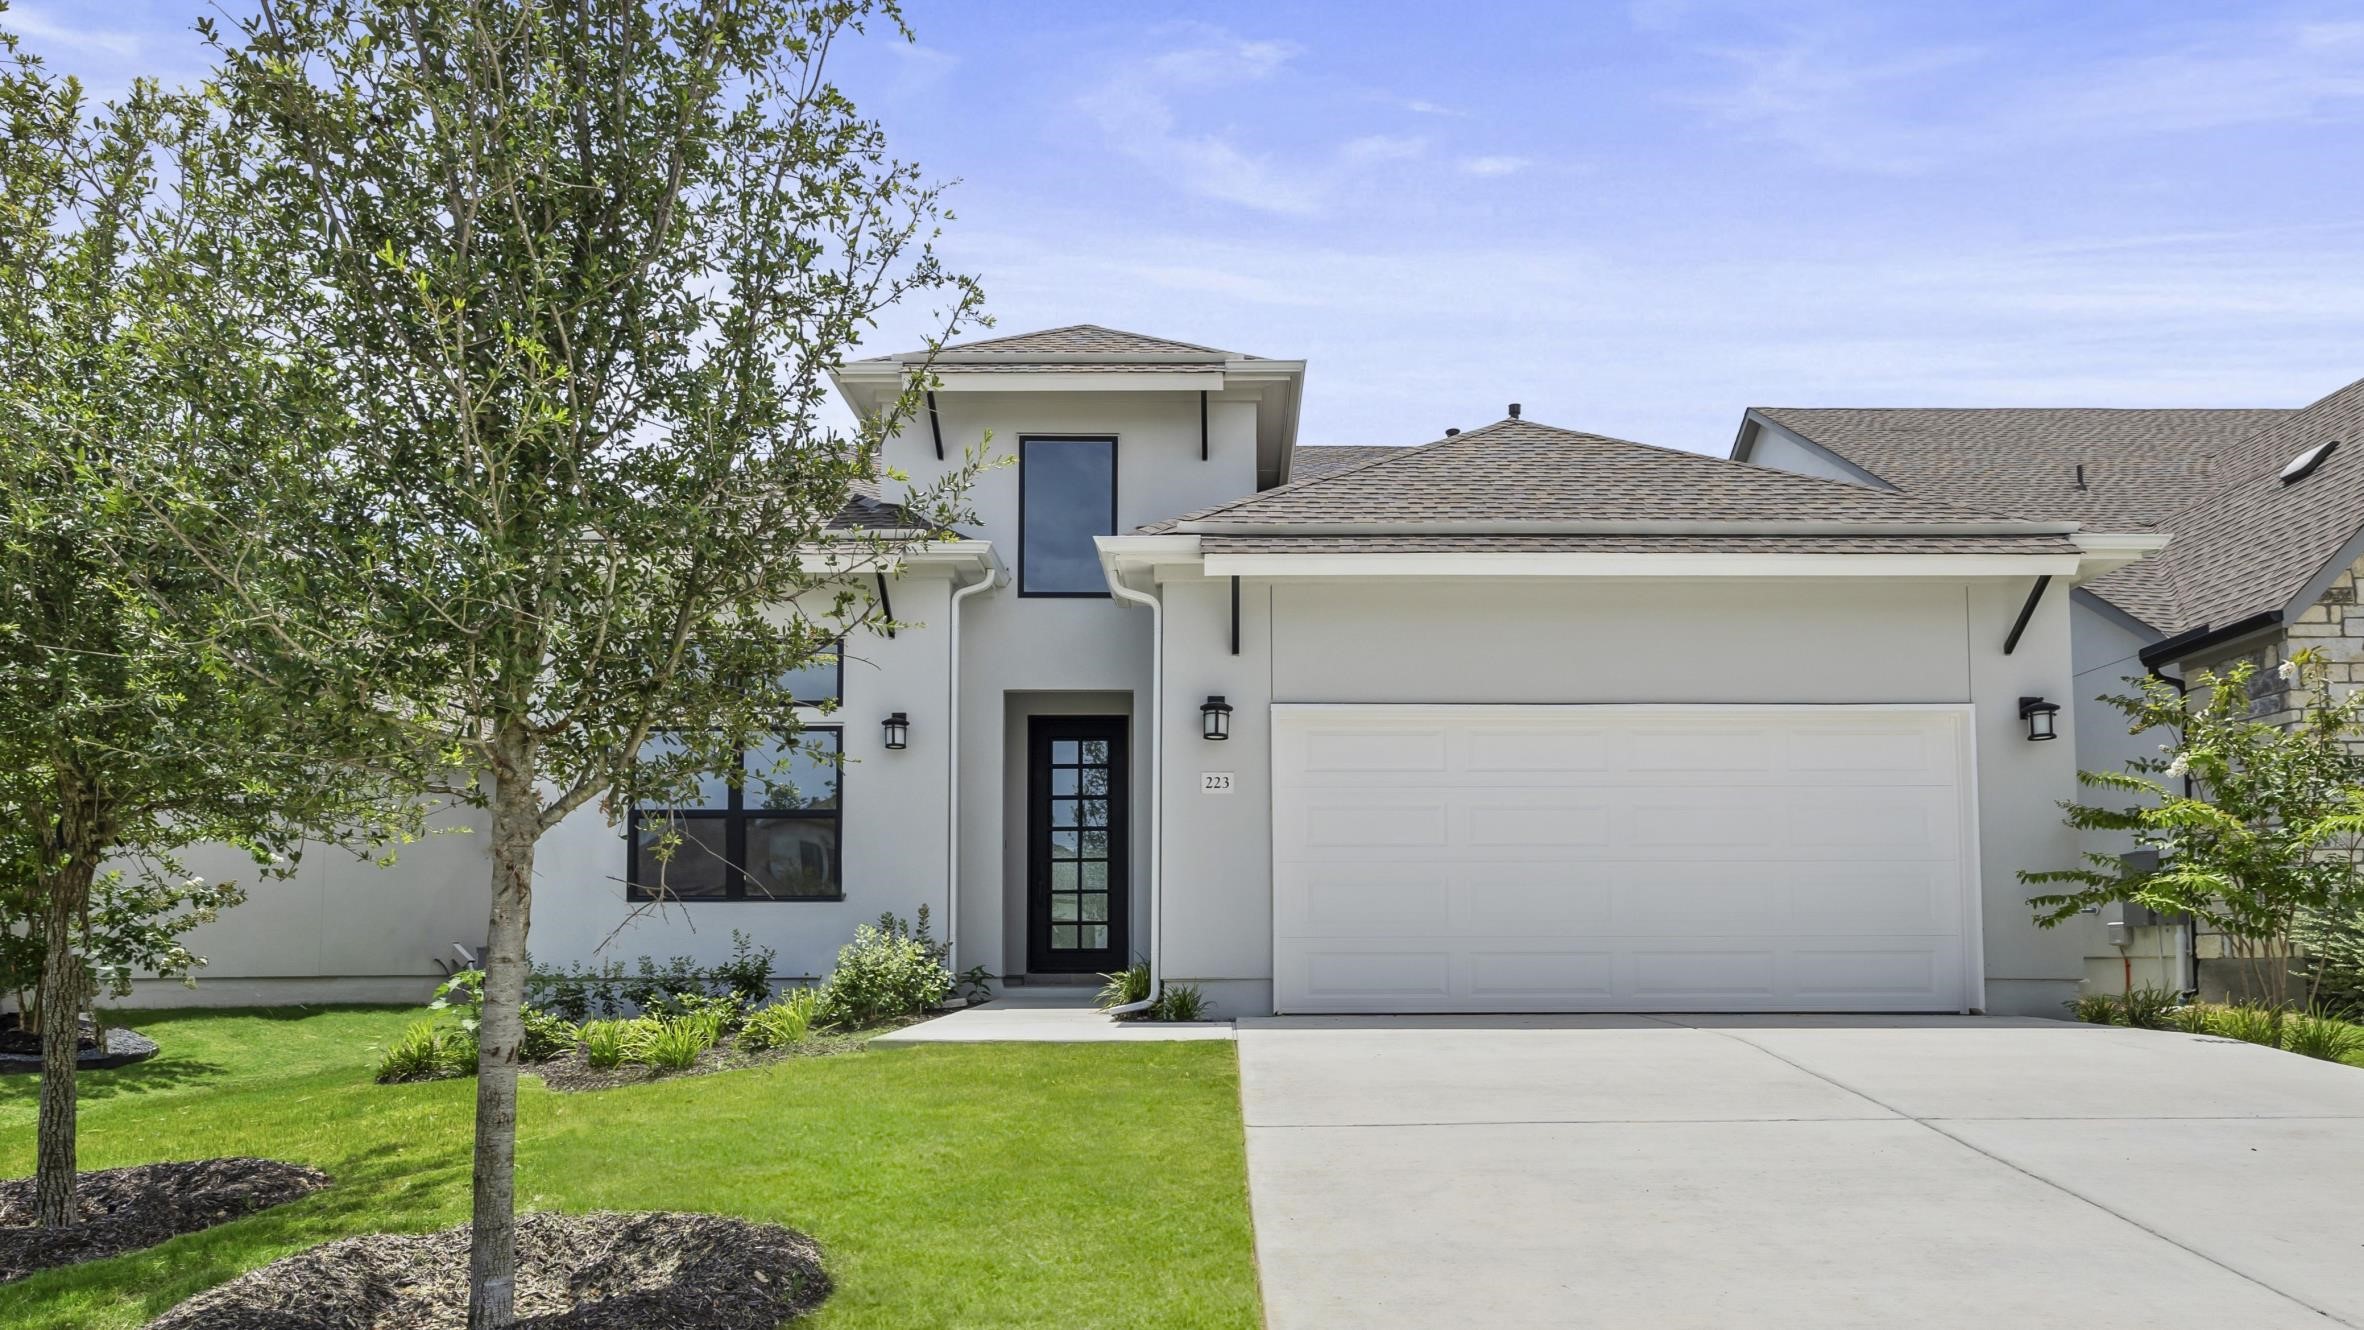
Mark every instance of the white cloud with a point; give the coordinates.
(1136, 110)
(1421, 106)
(1844, 102)
(1500, 164)
(42, 28)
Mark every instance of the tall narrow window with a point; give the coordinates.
(770, 835)
(1066, 496)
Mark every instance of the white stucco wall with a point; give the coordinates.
(1067, 654)
(1459, 641)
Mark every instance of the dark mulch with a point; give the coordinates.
(127, 1209)
(658, 1271)
(569, 1072)
(20, 1049)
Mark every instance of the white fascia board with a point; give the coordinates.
(2108, 551)
(1118, 553)
(951, 379)
(1601, 564)
(851, 558)
(1220, 526)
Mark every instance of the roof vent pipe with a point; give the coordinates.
(2080, 475)
(1451, 432)
(1514, 410)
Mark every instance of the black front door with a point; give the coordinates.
(1075, 844)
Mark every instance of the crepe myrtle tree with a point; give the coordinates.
(583, 266)
(2254, 823)
(143, 707)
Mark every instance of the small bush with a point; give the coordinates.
(727, 1010)
(676, 1044)
(784, 1022)
(881, 975)
(2324, 1037)
(605, 1043)
(429, 1050)
(2091, 1008)
(1125, 987)
(546, 1035)
(2248, 1023)
(2147, 1008)
(747, 975)
(1179, 1002)
(2191, 1018)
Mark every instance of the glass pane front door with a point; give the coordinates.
(1076, 844)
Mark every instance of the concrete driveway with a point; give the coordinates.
(1823, 1172)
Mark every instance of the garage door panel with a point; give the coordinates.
(1600, 858)
(1521, 900)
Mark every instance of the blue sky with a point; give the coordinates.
(1636, 218)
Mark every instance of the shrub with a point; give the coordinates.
(2249, 1023)
(605, 1043)
(2192, 1018)
(882, 974)
(1126, 986)
(2147, 1008)
(2319, 1036)
(546, 1035)
(747, 975)
(429, 1050)
(726, 1009)
(784, 1022)
(2092, 1008)
(1179, 1002)
(675, 1045)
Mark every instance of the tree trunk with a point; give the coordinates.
(492, 1246)
(59, 1001)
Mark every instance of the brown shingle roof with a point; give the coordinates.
(1310, 461)
(1057, 345)
(2242, 541)
(1515, 472)
(2254, 543)
(2138, 465)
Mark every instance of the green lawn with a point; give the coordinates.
(965, 1186)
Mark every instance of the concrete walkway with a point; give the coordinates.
(1046, 1016)
(1637, 1173)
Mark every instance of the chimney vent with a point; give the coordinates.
(1451, 432)
(1514, 410)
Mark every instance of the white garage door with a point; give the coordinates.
(1623, 858)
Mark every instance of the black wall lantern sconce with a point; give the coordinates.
(1214, 717)
(2038, 714)
(898, 730)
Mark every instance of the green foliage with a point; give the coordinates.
(747, 975)
(884, 973)
(786, 1021)
(2249, 1023)
(2268, 835)
(429, 1050)
(2148, 1008)
(2191, 1018)
(2334, 942)
(547, 1035)
(1179, 1002)
(2320, 1036)
(2095, 1008)
(674, 1045)
(1125, 987)
(605, 1043)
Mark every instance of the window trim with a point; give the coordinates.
(734, 819)
(836, 698)
(1115, 479)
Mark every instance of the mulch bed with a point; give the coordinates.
(20, 1049)
(653, 1271)
(127, 1209)
(569, 1072)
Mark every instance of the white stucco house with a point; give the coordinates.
(1521, 719)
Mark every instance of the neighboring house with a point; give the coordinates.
(2264, 511)
(1524, 719)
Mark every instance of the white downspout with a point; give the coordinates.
(992, 578)
(1157, 812)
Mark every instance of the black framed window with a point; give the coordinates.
(770, 834)
(820, 681)
(1066, 496)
